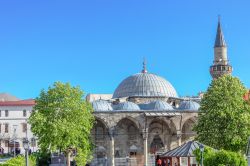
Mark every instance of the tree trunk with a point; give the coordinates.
(68, 157)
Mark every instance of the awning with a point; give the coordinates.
(162, 114)
(185, 150)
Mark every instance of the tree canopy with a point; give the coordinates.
(224, 116)
(63, 120)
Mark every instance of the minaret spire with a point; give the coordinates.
(221, 64)
(219, 41)
(144, 70)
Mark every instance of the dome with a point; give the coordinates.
(159, 105)
(189, 105)
(145, 85)
(127, 106)
(102, 105)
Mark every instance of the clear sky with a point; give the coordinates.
(98, 43)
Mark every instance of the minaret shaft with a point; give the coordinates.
(220, 55)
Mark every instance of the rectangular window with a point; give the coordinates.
(24, 113)
(33, 142)
(6, 113)
(6, 143)
(24, 127)
(6, 128)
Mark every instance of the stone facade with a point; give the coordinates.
(135, 134)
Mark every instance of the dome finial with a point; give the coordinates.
(144, 70)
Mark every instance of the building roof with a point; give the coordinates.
(8, 97)
(144, 85)
(219, 41)
(185, 150)
(158, 105)
(102, 105)
(129, 106)
(189, 105)
(28, 102)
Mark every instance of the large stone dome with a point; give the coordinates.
(145, 85)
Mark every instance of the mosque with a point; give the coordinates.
(145, 116)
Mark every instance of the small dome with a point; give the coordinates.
(189, 105)
(159, 105)
(102, 105)
(127, 106)
(144, 85)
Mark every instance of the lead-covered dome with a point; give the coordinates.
(128, 106)
(102, 105)
(159, 105)
(189, 105)
(145, 85)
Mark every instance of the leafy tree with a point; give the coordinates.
(63, 121)
(223, 121)
(220, 158)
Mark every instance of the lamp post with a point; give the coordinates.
(26, 147)
(202, 151)
(14, 139)
(127, 160)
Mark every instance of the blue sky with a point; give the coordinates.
(98, 43)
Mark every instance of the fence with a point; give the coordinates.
(124, 161)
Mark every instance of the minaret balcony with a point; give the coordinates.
(221, 68)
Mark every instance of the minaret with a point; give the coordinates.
(221, 64)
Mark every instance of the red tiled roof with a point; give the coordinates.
(247, 96)
(28, 102)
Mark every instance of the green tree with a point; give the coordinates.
(223, 121)
(63, 120)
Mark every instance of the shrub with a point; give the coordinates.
(20, 161)
(220, 158)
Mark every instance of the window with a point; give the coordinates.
(6, 143)
(33, 142)
(0, 113)
(24, 113)
(6, 113)
(6, 128)
(24, 127)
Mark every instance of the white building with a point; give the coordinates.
(13, 123)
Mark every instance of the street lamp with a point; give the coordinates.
(14, 138)
(202, 151)
(26, 147)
